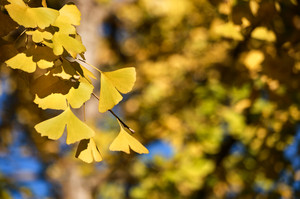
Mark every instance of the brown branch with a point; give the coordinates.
(123, 123)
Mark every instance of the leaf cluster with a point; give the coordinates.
(44, 43)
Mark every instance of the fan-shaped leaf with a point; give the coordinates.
(31, 17)
(63, 41)
(22, 62)
(39, 36)
(111, 83)
(76, 97)
(54, 127)
(48, 84)
(124, 142)
(88, 151)
(27, 61)
(69, 15)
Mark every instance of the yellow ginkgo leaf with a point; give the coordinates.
(61, 41)
(69, 15)
(22, 62)
(31, 17)
(112, 83)
(53, 101)
(54, 127)
(124, 142)
(27, 61)
(39, 36)
(88, 151)
(76, 97)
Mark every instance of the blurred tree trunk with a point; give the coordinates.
(73, 184)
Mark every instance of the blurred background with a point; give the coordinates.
(216, 102)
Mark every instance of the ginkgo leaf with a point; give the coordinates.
(39, 36)
(61, 41)
(54, 127)
(88, 151)
(55, 101)
(112, 83)
(124, 142)
(28, 60)
(76, 97)
(48, 84)
(22, 62)
(69, 15)
(31, 17)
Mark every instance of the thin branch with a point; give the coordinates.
(125, 125)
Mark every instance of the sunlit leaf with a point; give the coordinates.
(69, 15)
(31, 58)
(112, 83)
(53, 101)
(124, 142)
(63, 41)
(88, 151)
(76, 129)
(22, 62)
(76, 97)
(31, 17)
(38, 36)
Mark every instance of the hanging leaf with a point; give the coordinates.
(112, 83)
(69, 15)
(88, 151)
(48, 84)
(31, 17)
(55, 101)
(124, 142)
(61, 41)
(39, 36)
(76, 97)
(22, 62)
(28, 60)
(54, 127)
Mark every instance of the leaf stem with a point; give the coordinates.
(89, 64)
(123, 123)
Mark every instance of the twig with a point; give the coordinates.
(125, 125)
